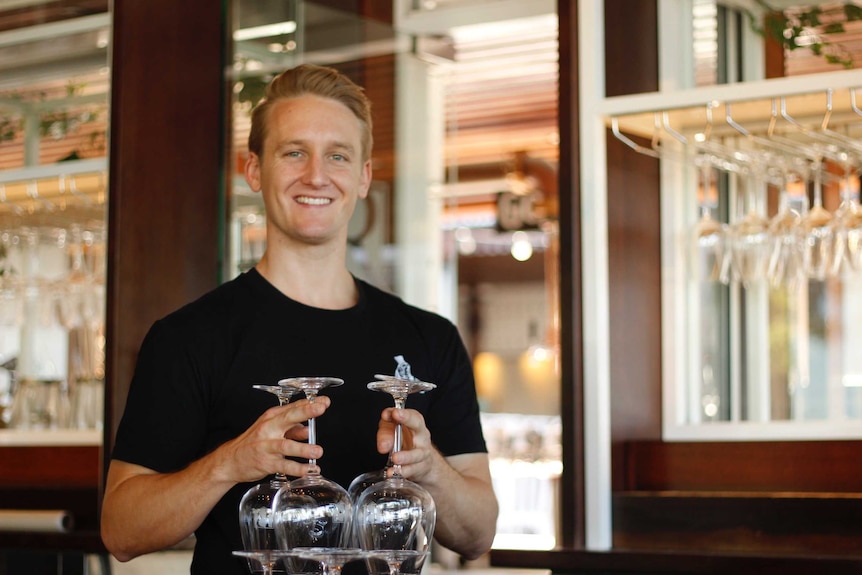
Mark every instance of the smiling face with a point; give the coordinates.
(310, 171)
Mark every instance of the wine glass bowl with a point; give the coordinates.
(750, 248)
(395, 514)
(312, 511)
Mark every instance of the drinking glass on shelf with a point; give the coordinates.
(255, 507)
(312, 511)
(396, 513)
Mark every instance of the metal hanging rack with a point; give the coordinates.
(774, 144)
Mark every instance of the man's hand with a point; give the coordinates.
(278, 433)
(460, 484)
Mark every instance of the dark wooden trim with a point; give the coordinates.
(779, 466)
(53, 466)
(571, 366)
(755, 523)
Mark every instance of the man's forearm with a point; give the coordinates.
(466, 510)
(144, 511)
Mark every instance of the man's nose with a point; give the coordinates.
(315, 171)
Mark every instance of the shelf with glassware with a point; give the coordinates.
(52, 294)
(762, 240)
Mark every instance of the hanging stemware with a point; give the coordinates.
(710, 234)
(786, 260)
(750, 241)
(817, 232)
(847, 227)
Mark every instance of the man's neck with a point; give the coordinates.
(324, 283)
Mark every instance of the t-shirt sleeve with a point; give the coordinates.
(453, 415)
(164, 422)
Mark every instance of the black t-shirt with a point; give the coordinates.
(192, 387)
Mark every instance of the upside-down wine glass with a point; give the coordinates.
(710, 235)
(817, 232)
(785, 261)
(408, 386)
(396, 561)
(268, 559)
(847, 226)
(331, 559)
(396, 514)
(750, 235)
(312, 511)
(255, 507)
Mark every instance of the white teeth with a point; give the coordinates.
(313, 201)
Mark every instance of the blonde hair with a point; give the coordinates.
(318, 81)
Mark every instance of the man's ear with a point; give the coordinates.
(365, 180)
(252, 171)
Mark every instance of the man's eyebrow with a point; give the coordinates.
(343, 146)
(346, 146)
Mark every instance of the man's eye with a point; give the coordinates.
(339, 157)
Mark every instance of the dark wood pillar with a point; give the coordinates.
(166, 172)
(572, 519)
(634, 242)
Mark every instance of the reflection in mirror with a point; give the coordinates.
(54, 84)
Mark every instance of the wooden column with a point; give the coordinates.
(166, 173)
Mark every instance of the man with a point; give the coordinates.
(196, 435)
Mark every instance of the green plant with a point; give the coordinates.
(810, 27)
(54, 124)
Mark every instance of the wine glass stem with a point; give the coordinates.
(396, 444)
(281, 477)
(312, 429)
(818, 188)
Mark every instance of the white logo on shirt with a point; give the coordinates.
(402, 371)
